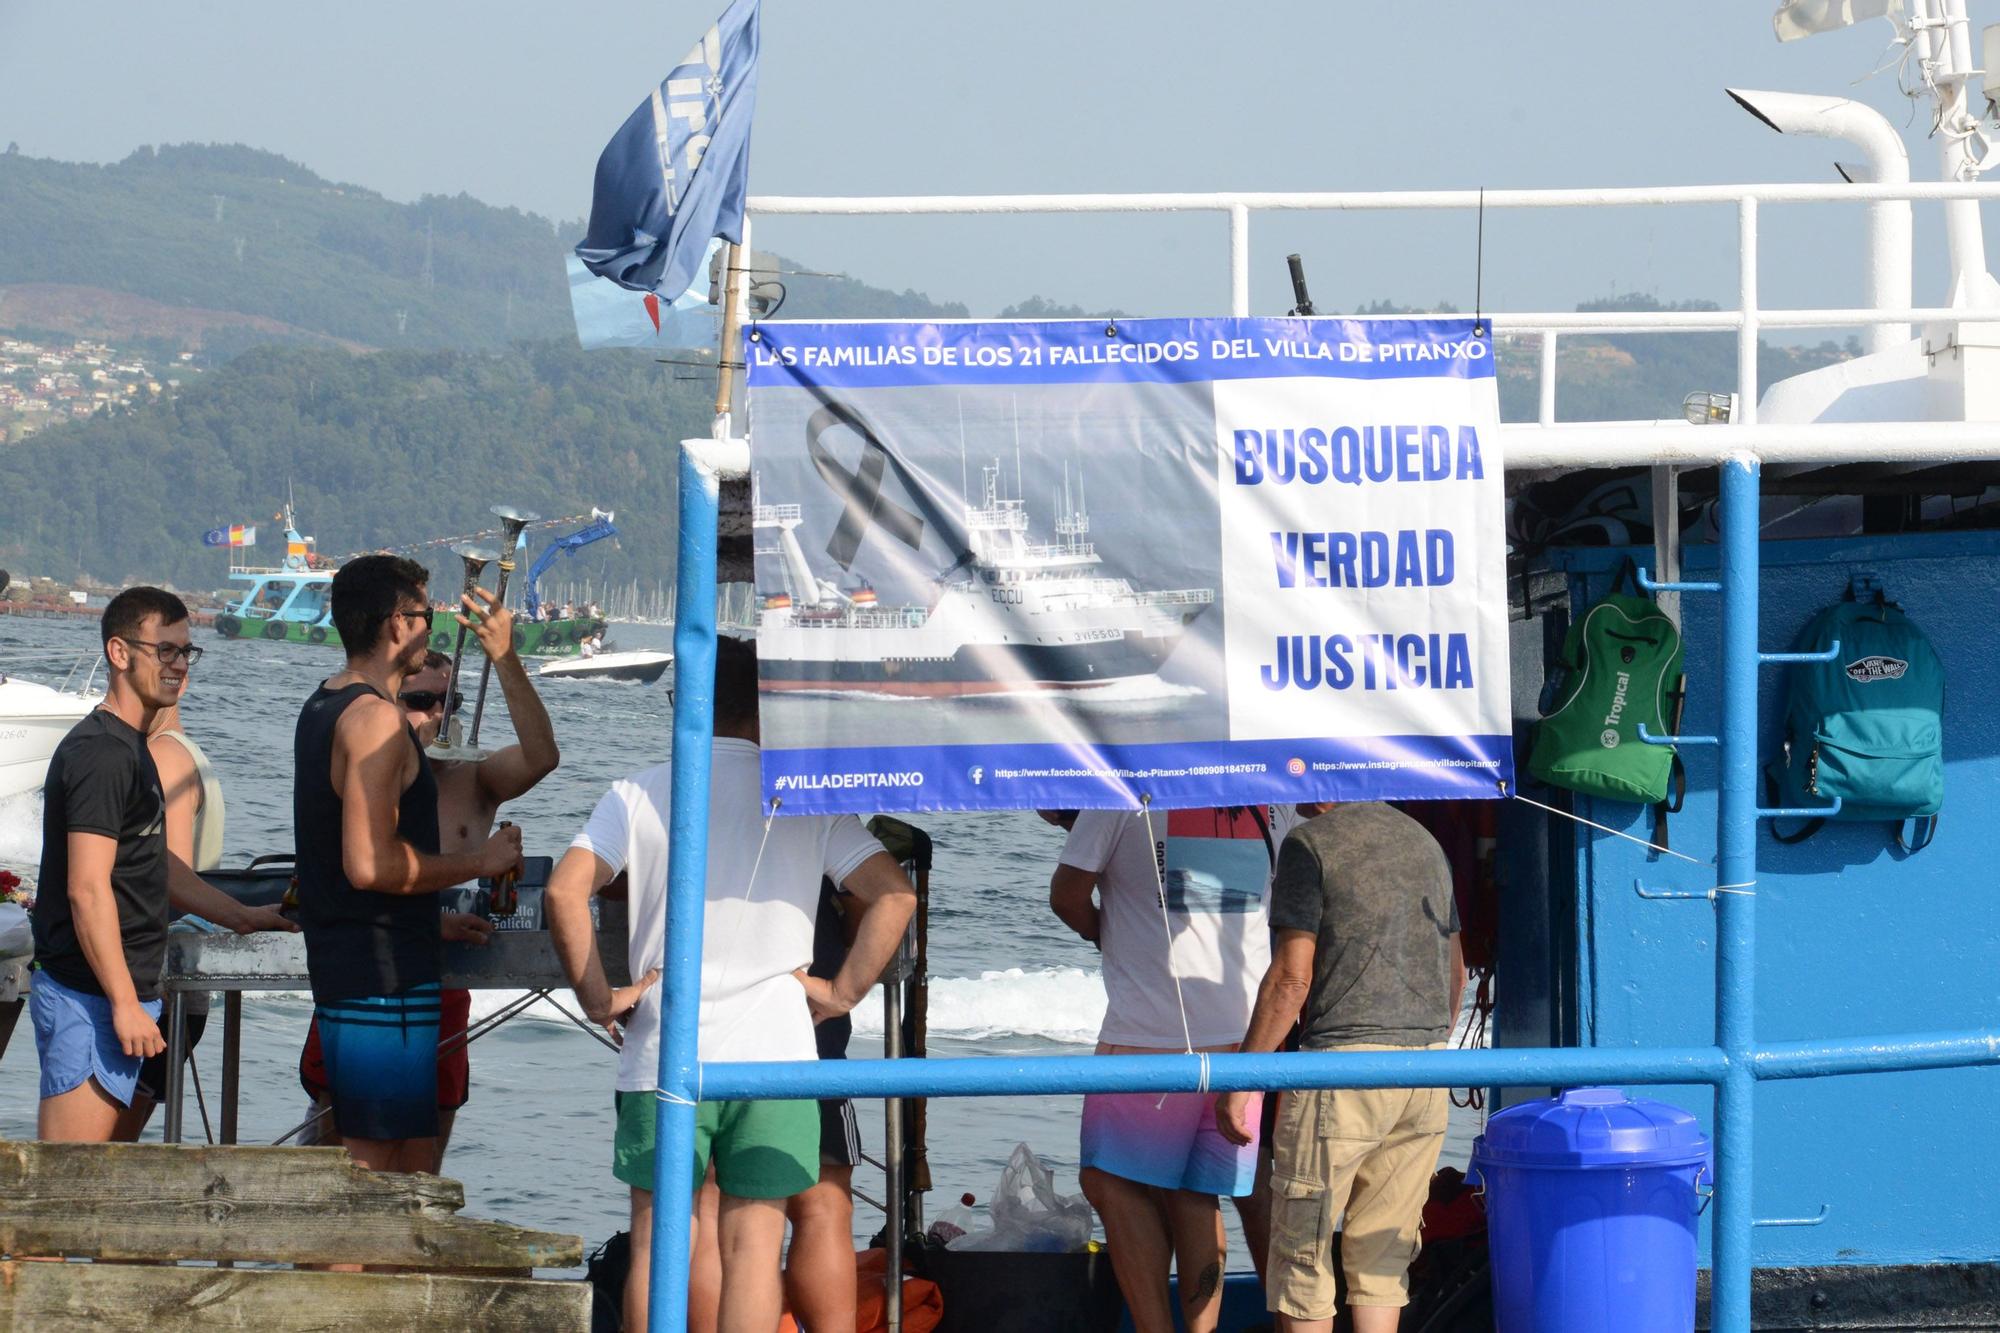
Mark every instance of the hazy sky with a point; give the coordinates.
(511, 100)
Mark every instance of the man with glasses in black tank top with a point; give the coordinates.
(365, 815)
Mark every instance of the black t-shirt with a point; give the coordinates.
(102, 780)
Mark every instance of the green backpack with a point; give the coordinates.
(1622, 666)
(1867, 726)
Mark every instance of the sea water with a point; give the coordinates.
(533, 1145)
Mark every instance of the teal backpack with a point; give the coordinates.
(1621, 665)
(1867, 726)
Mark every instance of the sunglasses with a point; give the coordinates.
(169, 653)
(424, 701)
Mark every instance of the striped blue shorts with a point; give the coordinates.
(381, 1056)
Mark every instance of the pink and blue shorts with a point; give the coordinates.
(1170, 1142)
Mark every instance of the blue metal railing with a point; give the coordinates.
(1732, 1066)
(687, 873)
(1736, 913)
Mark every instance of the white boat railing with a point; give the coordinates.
(88, 663)
(1548, 443)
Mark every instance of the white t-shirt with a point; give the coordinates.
(1216, 870)
(754, 935)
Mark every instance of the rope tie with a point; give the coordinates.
(1153, 855)
(1166, 922)
(743, 903)
(1612, 831)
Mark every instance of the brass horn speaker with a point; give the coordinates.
(513, 522)
(446, 746)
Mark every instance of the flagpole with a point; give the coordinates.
(735, 291)
(678, 1086)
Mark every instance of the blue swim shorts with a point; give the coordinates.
(75, 1040)
(381, 1056)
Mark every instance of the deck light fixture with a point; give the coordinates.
(1705, 407)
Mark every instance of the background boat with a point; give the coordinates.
(33, 720)
(292, 602)
(638, 665)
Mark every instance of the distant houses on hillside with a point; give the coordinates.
(57, 381)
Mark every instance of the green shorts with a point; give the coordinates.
(761, 1150)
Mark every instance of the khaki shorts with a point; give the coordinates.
(1367, 1153)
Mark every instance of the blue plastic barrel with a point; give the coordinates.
(1592, 1201)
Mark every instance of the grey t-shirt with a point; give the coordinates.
(1375, 888)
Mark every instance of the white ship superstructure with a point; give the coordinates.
(1015, 614)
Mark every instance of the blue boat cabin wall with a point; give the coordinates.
(1854, 936)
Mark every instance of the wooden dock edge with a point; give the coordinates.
(134, 1210)
(131, 1298)
(129, 1201)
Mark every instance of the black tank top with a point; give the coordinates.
(358, 943)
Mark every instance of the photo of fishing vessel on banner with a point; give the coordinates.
(1162, 561)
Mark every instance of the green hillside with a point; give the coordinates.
(230, 229)
(380, 450)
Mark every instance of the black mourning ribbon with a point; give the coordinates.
(861, 488)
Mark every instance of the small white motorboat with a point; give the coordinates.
(33, 720)
(640, 665)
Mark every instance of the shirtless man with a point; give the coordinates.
(365, 813)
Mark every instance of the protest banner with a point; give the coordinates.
(1087, 564)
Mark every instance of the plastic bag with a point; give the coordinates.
(17, 935)
(1028, 1215)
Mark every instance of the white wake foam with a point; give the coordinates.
(1133, 688)
(1061, 1004)
(21, 831)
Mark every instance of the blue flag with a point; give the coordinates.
(675, 175)
(608, 315)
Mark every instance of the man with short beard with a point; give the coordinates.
(107, 880)
(469, 799)
(365, 816)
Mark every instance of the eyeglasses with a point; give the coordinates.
(423, 701)
(169, 653)
(413, 615)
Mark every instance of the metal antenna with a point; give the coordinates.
(1020, 487)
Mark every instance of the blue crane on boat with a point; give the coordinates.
(600, 528)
